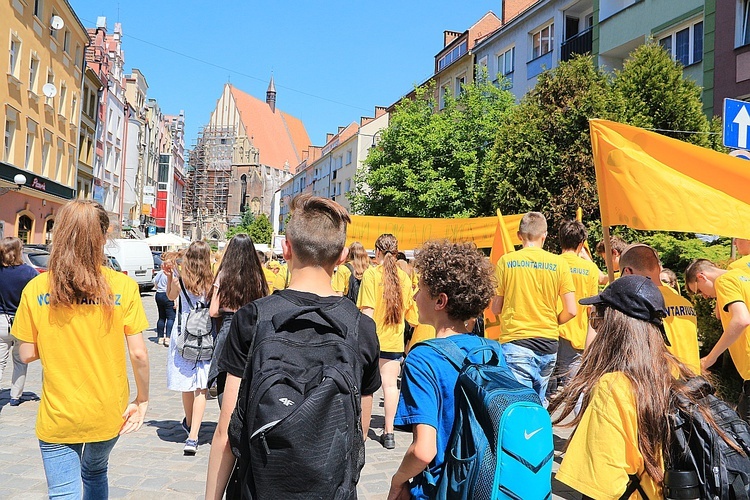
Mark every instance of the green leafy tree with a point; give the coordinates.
(428, 163)
(656, 95)
(257, 227)
(542, 158)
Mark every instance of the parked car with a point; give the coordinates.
(36, 258)
(157, 261)
(135, 259)
(113, 264)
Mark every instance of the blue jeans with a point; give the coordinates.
(530, 368)
(66, 465)
(166, 315)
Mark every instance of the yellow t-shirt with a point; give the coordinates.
(603, 451)
(270, 279)
(85, 381)
(734, 286)
(531, 280)
(340, 280)
(681, 325)
(371, 295)
(742, 263)
(279, 283)
(585, 276)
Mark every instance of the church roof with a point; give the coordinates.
(279, 137)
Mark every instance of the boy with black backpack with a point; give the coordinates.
(303, 365)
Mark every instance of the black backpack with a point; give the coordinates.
(354, 284)
(723, 471)
(296, 429)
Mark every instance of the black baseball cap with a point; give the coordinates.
(634, 296)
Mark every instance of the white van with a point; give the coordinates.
(135, 259)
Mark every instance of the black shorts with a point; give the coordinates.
(391, 356)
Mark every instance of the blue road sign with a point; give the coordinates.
(151, 230)
(736, 123)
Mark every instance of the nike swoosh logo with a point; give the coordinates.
(529, 436)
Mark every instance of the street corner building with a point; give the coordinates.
(41, 95)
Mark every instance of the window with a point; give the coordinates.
(66, 42)
(347, 185)
(63, 95)
(348, 157)
(685, 44)
(48, 231)
(460, 81)
(77, 60)
(50, 79)
(38, 8)
(52, 32)
(29, 153)
(73, 104)
(10, 134)
(506, 62)
(58, 161)
(15, 55)
(453, 56)
(445, 91)
(46, 146)
(25, 225)
(543, 41)
(743, 23)
(33, 72)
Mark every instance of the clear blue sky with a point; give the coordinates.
(332, 61)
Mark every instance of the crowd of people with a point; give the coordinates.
(604, 358)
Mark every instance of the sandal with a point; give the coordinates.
(166, 341)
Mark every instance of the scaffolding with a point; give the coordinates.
(209, 170)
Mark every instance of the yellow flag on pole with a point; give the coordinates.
(649, 181)
(502, 244)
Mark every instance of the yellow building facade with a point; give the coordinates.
(41, 98)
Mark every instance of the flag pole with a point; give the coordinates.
(608, 253)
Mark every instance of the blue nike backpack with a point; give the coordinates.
(501, 446)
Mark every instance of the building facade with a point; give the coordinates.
(41, 95)
(731, 55)
(105, 56)
(241, 158)
(89, 114)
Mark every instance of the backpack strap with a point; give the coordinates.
(634, 485)
(185, 292)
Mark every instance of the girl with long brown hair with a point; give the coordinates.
(625, 384)
(192, 284)
(73, 318)
(239, 281)
(386, 296)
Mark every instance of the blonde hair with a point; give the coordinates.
(533, 226)
(359, 259)
(75, 262)
(196, 268)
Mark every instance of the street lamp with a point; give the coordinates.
(19, 181)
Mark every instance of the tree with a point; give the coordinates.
(541, 159)
(257, 227)
(428, 163)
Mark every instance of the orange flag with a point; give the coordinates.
(649, 181)
(501, 244)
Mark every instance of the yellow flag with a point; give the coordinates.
(411, 232)
(649, 181)
(502, 244)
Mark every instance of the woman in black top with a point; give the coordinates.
(14, 275)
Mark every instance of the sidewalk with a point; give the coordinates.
(149, 463)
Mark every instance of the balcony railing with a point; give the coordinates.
(577, 44)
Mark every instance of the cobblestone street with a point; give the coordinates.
(149, 463)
